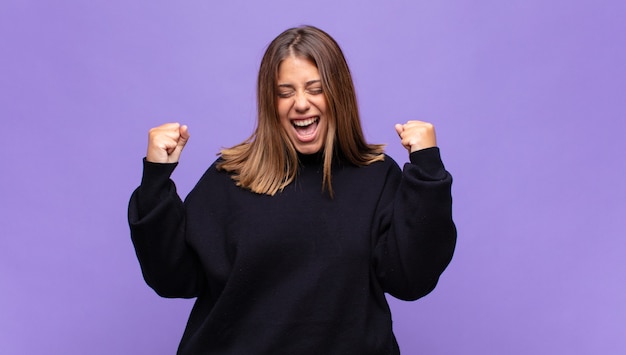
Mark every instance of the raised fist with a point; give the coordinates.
(166, 142)
(417, 135)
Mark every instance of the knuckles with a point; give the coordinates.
(417, 135)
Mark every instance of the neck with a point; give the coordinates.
(309, 159)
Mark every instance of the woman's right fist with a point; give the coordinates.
(166, 142)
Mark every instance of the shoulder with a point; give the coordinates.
(213, 182)
(387, 165)
(214, 172)
(390, 162)
(377, 172)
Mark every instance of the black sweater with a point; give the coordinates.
(298, 272)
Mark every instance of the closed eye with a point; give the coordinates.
(315, 91)
(285, 93)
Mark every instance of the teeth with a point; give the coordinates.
(304, 123)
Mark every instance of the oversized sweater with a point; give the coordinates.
(298, 272)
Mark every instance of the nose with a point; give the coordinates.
(301, 102)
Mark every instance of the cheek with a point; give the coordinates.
(283, 117)
(321, 105)
(282, 109)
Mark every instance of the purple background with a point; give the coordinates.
(529, 101)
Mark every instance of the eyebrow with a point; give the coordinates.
(308, 83)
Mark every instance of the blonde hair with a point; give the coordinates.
(267, 161)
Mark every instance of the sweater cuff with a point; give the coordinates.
(155, 182)
(156, 173)
(429, 164)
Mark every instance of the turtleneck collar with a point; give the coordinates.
(311, 159)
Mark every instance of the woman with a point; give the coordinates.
(290, 240)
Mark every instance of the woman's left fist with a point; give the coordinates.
(417, 135)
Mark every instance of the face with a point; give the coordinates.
(301, 104)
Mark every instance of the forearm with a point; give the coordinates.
(156, 218)
(421, 237)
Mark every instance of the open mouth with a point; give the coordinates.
(305, 128)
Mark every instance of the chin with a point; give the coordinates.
(309, 149)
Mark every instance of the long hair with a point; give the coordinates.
(267, 161)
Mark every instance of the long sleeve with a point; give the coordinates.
(416, 235)
(156, 217)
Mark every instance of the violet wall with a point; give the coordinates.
(529, 101)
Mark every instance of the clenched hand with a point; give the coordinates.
(166, 142)
(417, 135)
